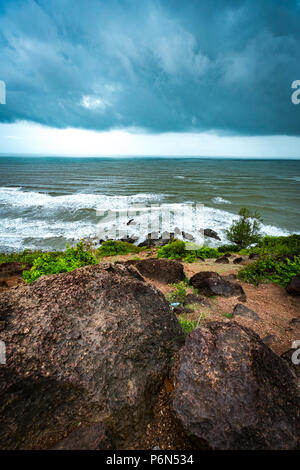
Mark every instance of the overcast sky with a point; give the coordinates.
(150, 77)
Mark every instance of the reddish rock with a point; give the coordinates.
(233, 392)
(211, 283)
(89, 346)
(243, 311)
(161, 270)
(222, 260)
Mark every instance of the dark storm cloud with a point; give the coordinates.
(168, 65)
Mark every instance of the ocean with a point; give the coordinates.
(47, 202)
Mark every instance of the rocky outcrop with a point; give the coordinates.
(243, 311)
(293, 287)
(90, 346)
(232, 392)
(238, 260)
(208, 232)
(156, 239)
(222, 260)
(211, 283)
(161, 270)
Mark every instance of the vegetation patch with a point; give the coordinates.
(25, 257)
(178, 294)
(289, 245)
(59, 262)
(187, 325)
(246, 230)
(177, 250)
(271, 269)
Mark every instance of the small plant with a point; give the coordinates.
(179, 292)
(246, 230)
(228, 315)
(187, 325)
(116, 247)
(190, 257)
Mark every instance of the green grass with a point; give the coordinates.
(228, 315)
(187, 325)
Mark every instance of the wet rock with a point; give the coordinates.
(238, 260)
(89, 346)
(95, 437)
(243, 311)
(187, 236)
(161, 270)
(131, 240)
(131, 222)
(293, 287)
(222, 260)
(211, 234)
(233, 392)
(211, 283)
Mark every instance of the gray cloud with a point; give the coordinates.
(153, 65)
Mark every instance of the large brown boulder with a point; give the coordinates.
(89, 346)
(232, 392)
(211, 283)
(161, 270)
(293, 287)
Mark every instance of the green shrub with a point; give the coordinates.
(49, 263)
(289, 245)
(179, 292)
(187, 325)
(207, 252)
(116, 247)
(246, 230)
(271, 269)
(228, 315)
(177, 250)
(173, 250)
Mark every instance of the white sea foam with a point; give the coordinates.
(32, 219)
(220, 200)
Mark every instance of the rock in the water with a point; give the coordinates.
(238, 260)
(208, 232)
(187, 236)
(211, 283)
(222, 260)
(244, 311)
(232, 392)
(293, 287)
(161, 270)
(89, 346)
(95, 437)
